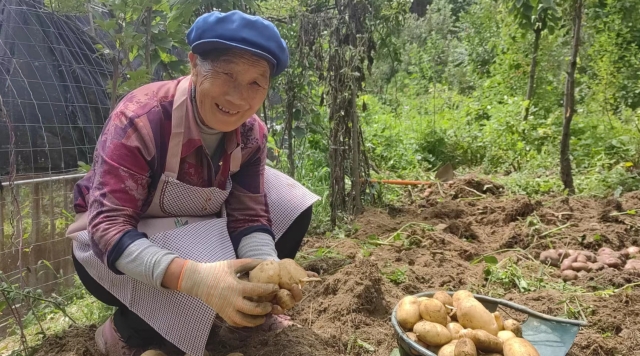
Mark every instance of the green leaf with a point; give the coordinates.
(490, 260)
(395, 352)
(3, 304)
(299, 132)
(164, 42)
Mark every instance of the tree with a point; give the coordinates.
(537, 16)
(569, 101)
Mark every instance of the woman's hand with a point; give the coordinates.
(218, 286)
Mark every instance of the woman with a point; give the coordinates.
(179, 201)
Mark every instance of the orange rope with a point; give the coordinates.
(398, 182)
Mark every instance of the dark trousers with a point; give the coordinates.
(136, 332)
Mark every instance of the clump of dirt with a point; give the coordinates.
(325, 265)
(76, 341)
(474, 187)
(462, 230)
(518, 208)
(445, 210)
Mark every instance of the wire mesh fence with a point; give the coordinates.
(53, 105)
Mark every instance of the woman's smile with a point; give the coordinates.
(225, 110)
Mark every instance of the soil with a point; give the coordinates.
(434, 244)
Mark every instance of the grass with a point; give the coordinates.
(81, 306)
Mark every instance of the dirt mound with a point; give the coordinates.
(474, 187)
(76, 341)
(355, 302)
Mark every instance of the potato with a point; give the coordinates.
(434, 311)
(519, 347)
(408, 312)
(291, 274)
(632, 265)
(447, 350)
(448, 319)
(582, 258)
(566, 264)
(455, 329)
(624, 253)
(432, 334)
(605, 251)
(285, 299)
(499, 320)
(459, 296)
(153, 353)
(465, 347)
(513, 326)
(633, 250)
(609, 261)
(423, 298)
(505, 335)
(579, 266)
(266, 272)
(550, 257)
(413, 337)
(591, 257)
(484, 341)
(473, 315)
(597, 266)
(444, 298)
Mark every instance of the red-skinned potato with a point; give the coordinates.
(550, 257)
(582, 258)
(594, 267)
(579, 266)
(624, 253)
(632, 265)
(605, 251)
(566, 264)
(610, 261)
(591, 257)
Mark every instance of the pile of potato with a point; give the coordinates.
(576, 263)
(460, 326)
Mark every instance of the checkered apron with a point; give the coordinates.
(182, 218)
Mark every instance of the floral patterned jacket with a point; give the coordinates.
(129, 160)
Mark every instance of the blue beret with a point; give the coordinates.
(238, 30)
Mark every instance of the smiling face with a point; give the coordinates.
(230, 88)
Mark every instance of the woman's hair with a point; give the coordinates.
(208, 60)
